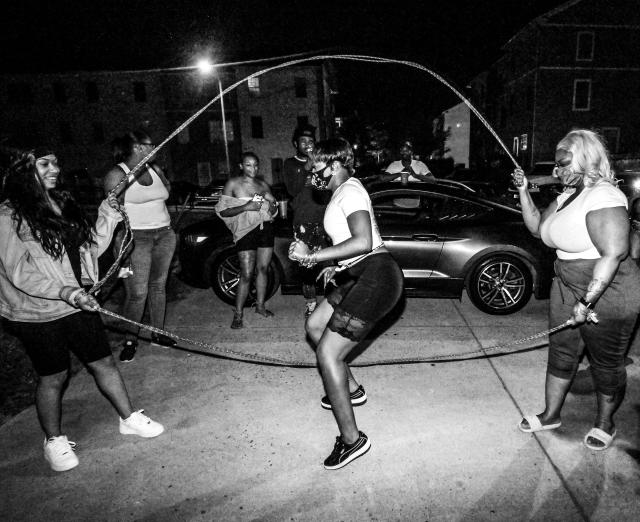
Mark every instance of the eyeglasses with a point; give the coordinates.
(148, 144)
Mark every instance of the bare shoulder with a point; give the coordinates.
(231, 187)
(113, 177)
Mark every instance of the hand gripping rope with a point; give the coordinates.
(222, 352)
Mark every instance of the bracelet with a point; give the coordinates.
(309, 260)
(589, 305)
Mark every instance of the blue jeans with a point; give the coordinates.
(150, 261)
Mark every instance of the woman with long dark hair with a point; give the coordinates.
(48, 254)
(369, 286)
(154, 241)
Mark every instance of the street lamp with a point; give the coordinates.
(206, 68)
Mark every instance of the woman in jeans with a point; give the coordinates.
(370, 285)
(48, 252)
(154, 241)
(589, 228)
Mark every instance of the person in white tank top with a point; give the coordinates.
(588, 226)
(144, 196)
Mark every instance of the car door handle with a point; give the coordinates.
(425, 237)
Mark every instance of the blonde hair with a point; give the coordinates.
(590, 157)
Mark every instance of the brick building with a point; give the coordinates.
(79, 114)
(575, 66)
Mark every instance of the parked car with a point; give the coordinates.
(445, 239)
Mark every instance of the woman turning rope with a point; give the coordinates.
(589, 228)
(48, 252)
(371, 285)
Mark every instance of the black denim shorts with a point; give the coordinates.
(366, 292)
(48, 344)
(257, 238)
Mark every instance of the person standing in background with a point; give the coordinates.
(154, 241)
(307, 212)
(406, 168)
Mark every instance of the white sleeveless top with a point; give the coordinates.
(145, 205)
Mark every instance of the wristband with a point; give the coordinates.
(586, 303)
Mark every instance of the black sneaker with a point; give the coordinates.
(163, 340)
(343, 453)
(128, 352)
(358, 398)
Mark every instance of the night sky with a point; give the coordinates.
(458, 39)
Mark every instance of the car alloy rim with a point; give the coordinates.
(501, 285)
(229, 276)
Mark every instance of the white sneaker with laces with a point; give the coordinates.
(139, 424)
(58, 452)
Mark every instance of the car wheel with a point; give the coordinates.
(500, 285)
(224, 276)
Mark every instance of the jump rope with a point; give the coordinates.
(500, 349)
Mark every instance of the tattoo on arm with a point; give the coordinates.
(595, 289)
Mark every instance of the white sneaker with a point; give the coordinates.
(58, 451)
(140, 424)
(309, 307)
(125, 272)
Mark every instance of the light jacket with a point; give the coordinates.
(241, 224)
(30, 279)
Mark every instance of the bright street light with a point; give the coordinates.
(206, 67)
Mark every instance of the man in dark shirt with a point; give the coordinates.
(307, 213)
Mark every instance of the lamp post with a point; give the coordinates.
(206, 67)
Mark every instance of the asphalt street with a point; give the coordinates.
(246, 441)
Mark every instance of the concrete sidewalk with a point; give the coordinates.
(246, 441)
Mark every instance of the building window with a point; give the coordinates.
(584, 46)
(215, 131)
(581, 95)
(256, 127)
(66, 136)
(139, 91)
(611, 137)
(98, 132)
(59, 93)
(301, 86)
(183, 136)
(254, 86)
(20, 93)
(303, 120)
(92, 92)
(204, 173)
(276, 170)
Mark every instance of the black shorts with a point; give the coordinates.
(366, 292)
(257, 238)
(48, 344)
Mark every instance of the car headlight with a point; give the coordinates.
(194, 239)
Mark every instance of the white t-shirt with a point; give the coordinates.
(566, 230)
(348, 198)
(418, 167)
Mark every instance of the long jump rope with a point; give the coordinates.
(209, 348)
